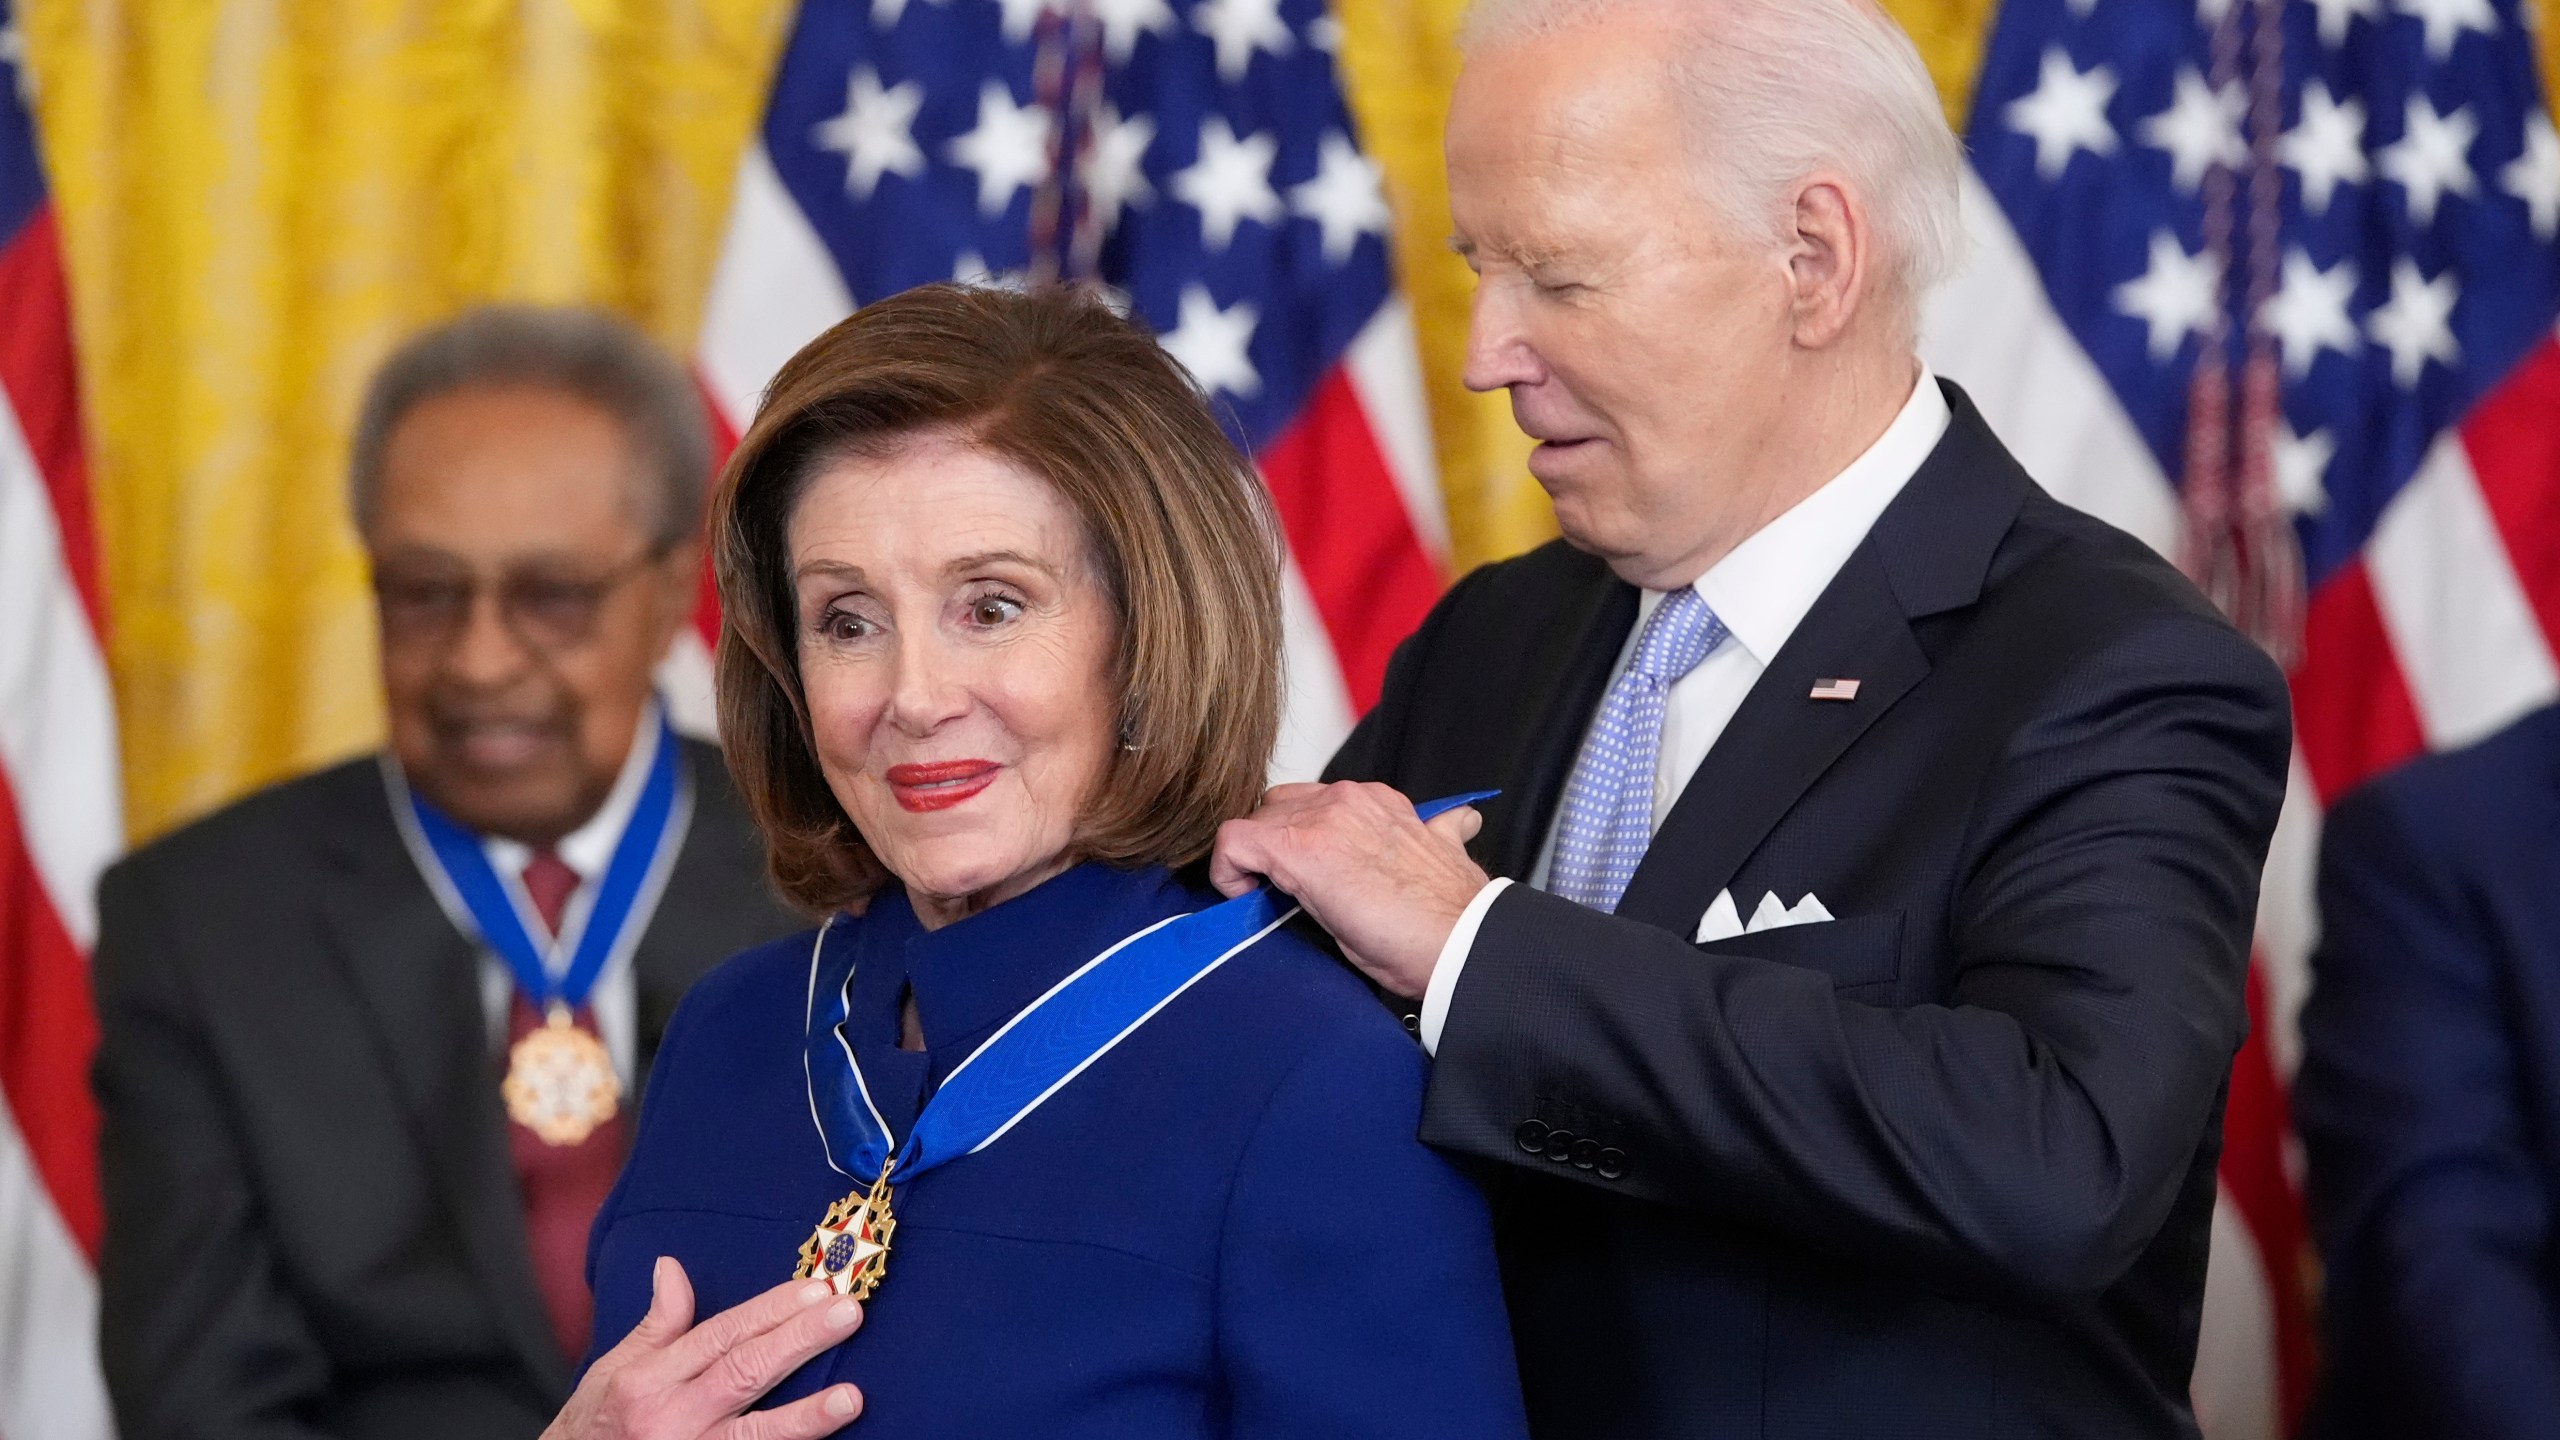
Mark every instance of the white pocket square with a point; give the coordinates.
(1723, 919)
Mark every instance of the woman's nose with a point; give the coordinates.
(932, 686)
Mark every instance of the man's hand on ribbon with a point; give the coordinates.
(1387, 884)
(671, 1379)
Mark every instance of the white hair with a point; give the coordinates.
(1781, 89)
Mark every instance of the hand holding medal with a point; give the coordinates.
(671, 1379)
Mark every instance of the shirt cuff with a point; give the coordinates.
(1453, 958)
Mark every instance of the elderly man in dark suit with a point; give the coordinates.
(1839, 995)
(2429, 1095)
(373, 1037)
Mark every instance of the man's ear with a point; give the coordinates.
(1829, 263)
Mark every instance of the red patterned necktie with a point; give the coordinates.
(563, 1185)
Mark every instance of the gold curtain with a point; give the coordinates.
(259, 197)
(1399, 59)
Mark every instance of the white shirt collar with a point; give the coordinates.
(1765, 585)
(589, 848)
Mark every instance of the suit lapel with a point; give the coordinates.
(1779, 743)
(418, 981)
(1930, 552)
(1590, 630)
(677, 944)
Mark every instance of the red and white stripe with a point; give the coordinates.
(61, 821)
(1353, 477)
(2440, 633)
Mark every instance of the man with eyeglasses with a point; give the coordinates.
(374, 1038)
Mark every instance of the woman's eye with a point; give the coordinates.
(993, 610)
(837, 624)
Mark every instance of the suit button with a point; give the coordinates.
(1611, 1163)
(1531, 1136)
(1585, 1154)
(1560, 1144)
(1413, 1024)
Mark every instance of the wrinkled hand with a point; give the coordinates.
(671, 1379)
(1387, 885)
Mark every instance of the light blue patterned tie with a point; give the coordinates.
(1608, 805)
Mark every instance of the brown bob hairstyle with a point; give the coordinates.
(1181, 532)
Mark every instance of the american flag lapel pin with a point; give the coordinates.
(1835, 689)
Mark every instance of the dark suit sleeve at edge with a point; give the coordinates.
(1380, 733)
(2431, 1211)
(2027, 1136)
(197, 1333)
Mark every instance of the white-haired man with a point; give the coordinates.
(1848, 1059)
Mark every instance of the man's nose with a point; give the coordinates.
(488, 652)
(1499, 354)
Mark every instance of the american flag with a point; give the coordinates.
(1195, 156)
(60, 816)
(2296, 263)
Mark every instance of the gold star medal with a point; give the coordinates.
(850, 1248)
(560, 1082)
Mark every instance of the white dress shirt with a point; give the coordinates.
(587, 850)
(1762, 590)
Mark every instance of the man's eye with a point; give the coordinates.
(551, 598)
(993, 610)
(422, 595)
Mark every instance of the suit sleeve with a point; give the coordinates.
(1380, 734)
(1357, 1292)
(197, 1333)
(2434, 1220)
(2025, 1135)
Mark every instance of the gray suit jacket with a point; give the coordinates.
(312, 1223)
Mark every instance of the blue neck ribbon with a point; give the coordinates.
(498, 910)
(1037, 1052)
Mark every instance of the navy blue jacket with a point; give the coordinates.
(2429, 1095)
(1224, 1227)
(1943, 1166)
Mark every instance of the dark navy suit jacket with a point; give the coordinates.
(2429, 1095)
(314, 1230)
(1943, 1166)
(1224, 1227)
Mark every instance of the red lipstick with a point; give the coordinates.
(940, 785)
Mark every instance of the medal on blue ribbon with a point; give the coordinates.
(560, 1083)
(1034, 1056)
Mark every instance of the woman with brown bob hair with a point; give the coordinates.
(1002, 651)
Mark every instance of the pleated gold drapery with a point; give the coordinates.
(259, 197)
